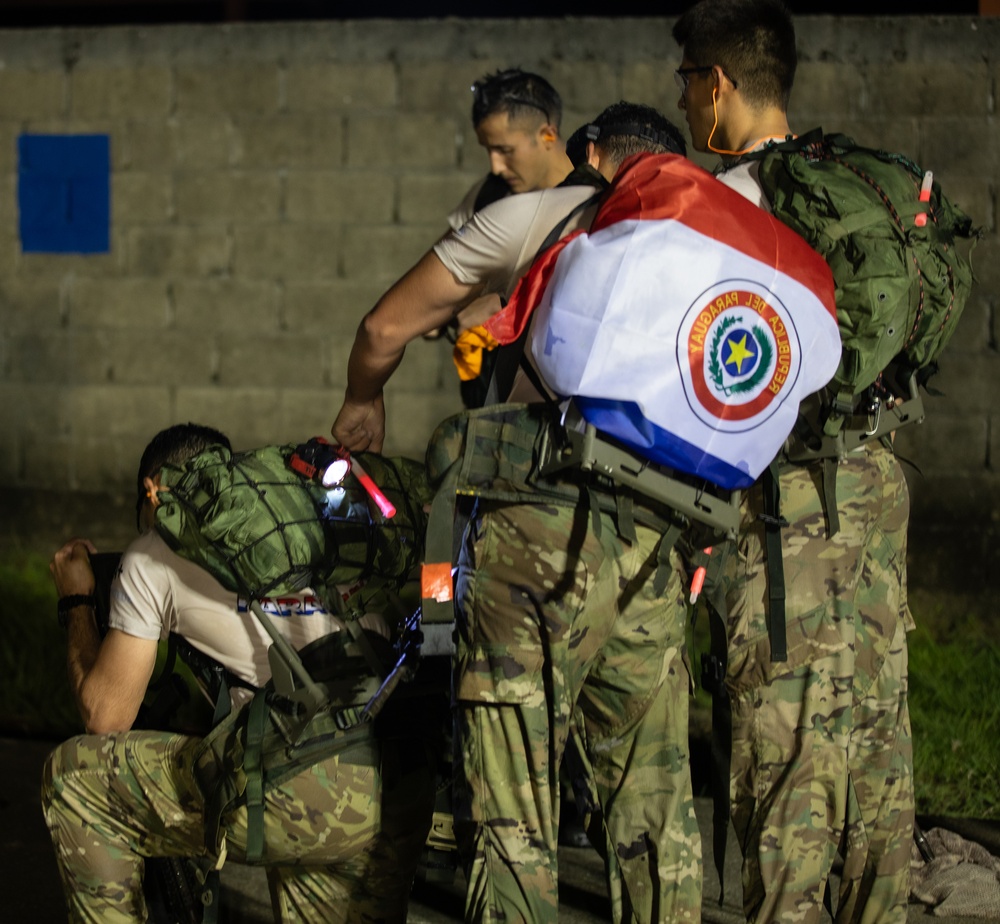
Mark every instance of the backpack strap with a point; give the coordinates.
(773, 523)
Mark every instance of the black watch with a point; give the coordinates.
(70, 601)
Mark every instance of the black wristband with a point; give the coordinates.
(70, 601)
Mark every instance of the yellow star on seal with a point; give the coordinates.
(738, 352)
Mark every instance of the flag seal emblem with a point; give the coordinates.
(738, 353)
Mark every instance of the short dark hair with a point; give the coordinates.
(518, 93)
(174, 445)
(753, 41)
(624, 129)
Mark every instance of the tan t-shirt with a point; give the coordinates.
(499, 243)
(157, 592)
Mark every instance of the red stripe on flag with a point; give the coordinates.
(668, 186)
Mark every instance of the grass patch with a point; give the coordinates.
(35, 698)
(955, 713)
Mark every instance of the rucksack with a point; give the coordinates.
(262, 528)
(891, 239)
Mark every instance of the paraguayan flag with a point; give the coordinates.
(688, 323)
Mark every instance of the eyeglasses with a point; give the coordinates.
(683, 74)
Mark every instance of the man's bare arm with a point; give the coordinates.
(424, 299)
(109, 677)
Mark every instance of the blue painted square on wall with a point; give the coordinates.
(64, 193)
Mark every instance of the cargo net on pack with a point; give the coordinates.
(262, 528)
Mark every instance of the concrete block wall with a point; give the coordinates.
(269, 181)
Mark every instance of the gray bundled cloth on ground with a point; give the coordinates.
(963, 879)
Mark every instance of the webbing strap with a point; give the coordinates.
(775, 568)
(252, 768)
(438, 547)
(667, 541)
(713, 678)
(830, 497)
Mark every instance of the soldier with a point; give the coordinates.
(554, 612)
(342, 837)
(822, 754)
(516, 116)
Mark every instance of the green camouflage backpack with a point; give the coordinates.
(261, 527)
(890, 237)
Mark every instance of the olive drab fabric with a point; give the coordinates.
(901, 276)
(262, 528)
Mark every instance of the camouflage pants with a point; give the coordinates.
(339, 845)
(551, 617)
(822, 753)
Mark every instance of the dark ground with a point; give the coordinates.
(31, 892)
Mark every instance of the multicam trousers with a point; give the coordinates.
(822, 753)
(342, 839)
(554, 615)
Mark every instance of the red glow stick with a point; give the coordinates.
(381, 501)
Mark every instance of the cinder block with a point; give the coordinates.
(139, 304)
(33, 408)
(228, 196)
(290, 141)
(442, 86)
(969, 382)
(276, 360)
(204, 142)
(306, 412)
(47, 463)
(976, 198)
(187, 250)
(427, 367)
(220, 306)
(911, 88)
(986, 268)
(411, 141)
(299, 252)
(33, 305)
(111, 411)
(9, 132)
(901, 136)
(946, 443)
(426, 198)
(586, 85)
(385, 253)
(964, 147)
(11, 464)
(651, 83)
(250, 88)
(170, 358)
(332, 309)
(335, 86)
(100, 92)
(49, 266)
(146, 145)
(247, 415)
(828, 92)
(140, 198)
(58, 358)
(974, 333)
(345, 196)
(35, 94)
(411, 418)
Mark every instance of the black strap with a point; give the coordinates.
(257, 716)
(713, 679)
(509, 357)
(775, 567)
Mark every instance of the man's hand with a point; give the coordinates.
(71, 570)
(360, 425)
